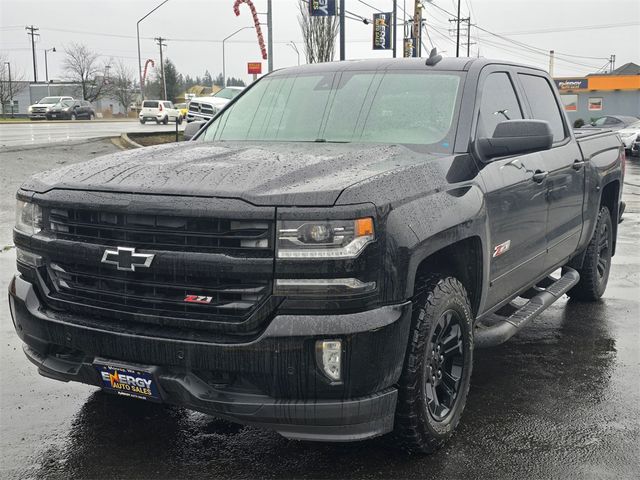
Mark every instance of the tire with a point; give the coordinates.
(441, 308)
(179, 120)
(165, 120)
(92, 116)
(594, 274)
(142, 120)
(73, 117)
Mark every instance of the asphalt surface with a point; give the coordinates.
(559, 400)
(40, 131)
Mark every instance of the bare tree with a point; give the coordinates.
(83, 66)
(9, 89)
(121, 85)
(319, 34)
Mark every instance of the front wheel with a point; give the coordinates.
(73, 117)
(435, 381)
(92, 116)
(594, 274)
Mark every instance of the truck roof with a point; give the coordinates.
(446, 64)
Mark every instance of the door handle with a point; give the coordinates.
(577, 164)
(539, 176)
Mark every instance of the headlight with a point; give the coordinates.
(30, 109)
(324, 239)
(28, 217)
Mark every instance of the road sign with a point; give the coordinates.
(254, 68)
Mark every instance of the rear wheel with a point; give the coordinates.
(179, 120)
(434, 384)
(594, 274)
(165, 120)
(73, 117)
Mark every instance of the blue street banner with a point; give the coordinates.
(382, 31)
(322, 8)
(409, 49)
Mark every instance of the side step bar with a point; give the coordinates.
(507, 326)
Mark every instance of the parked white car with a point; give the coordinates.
(630, 134)
(42, 106)
(159, 111)
(203, 108)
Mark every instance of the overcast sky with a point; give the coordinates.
(575, 29)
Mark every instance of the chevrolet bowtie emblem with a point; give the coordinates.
(127, 259)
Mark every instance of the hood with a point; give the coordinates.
(628, 131)
(298, 174)
(215, 101)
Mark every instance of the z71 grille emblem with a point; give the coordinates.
(127, 259)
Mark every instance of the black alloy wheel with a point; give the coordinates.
(445, 359)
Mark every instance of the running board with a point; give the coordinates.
(507, 326)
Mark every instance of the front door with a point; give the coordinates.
(515, 202)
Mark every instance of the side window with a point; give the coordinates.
(499, 103)
(612, 121)
(543, 103)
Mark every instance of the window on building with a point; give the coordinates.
(570, 102)
(543, 103)
(499, 103)
(595, 104)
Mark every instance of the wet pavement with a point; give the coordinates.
(39, 131)
(559, 400)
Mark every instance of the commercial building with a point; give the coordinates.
(590, 97)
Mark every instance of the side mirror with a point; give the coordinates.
(516, 136)
(192, 129)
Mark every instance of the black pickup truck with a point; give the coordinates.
(325, 254)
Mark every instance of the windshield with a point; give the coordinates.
(66, 103)
(411, 107)
(227, 93)
(47, 100)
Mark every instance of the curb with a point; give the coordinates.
(125, 138)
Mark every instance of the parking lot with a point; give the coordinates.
(560, 400)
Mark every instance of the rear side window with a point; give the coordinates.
(149, 104)
(543, 103)
(499, 103)
(167, 104)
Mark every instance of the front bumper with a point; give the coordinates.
(276, 384)
(197, 117)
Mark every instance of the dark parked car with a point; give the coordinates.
(71, 110)
(612, 122)
(327, 253)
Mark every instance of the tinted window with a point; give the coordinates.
(612, 121)
(499, 103)
(543, 103)
(352, 106)
(149, 104)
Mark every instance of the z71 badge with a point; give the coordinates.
(502, 248)
(197, 299)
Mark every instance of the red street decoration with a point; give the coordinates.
(256, 21)
(144, 75)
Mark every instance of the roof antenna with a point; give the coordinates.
(433, 58)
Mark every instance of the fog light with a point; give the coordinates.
(329, 358)
(28, 258)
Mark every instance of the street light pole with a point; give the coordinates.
(8, 64)
(46, 67)
(293, 45)
(224, 70)
(139, 56)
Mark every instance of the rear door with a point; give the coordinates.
(516, 204)
(565, 167)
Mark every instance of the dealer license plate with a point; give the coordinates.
(128, 381)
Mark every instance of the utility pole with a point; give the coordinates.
(551, 59)
(139, 57)
(612, 62)
(31, 30)
(342, 39)
(458, 32)
(270, 35)
(417, 27)
(395, 22)
(469, 36)
(8, 64)
(159, 40)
